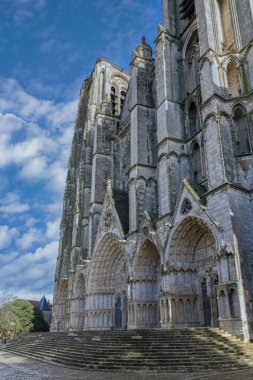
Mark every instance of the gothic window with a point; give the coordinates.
(102, 86)
(233, 80)
(151, 196)
(113, 100)
(225, 25)
(186, 206)
(122, 99)
(240, 132)
(193, 119)
(191, 62)
(187, 9)
(196, 164)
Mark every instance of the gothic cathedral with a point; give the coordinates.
(157, 225)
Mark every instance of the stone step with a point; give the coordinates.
(137, 362)
(134, 353)
(143, 350)
(192, 367)
(161, 350)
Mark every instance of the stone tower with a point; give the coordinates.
(157, 227)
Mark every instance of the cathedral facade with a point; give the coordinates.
(157, 225)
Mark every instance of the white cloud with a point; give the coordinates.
(33, 235)
(35, 168)
(14, 98)
(30, 222)
(11, 204)
(10, 123)
(53, 229)
(36, 135)
(20, 11)
(7, 235)
(31, 273)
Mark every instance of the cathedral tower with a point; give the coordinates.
(157, 226)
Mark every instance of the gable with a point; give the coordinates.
(115, 214)
(191, 198)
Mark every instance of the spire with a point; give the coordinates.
(143, 50)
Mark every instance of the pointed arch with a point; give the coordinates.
(233, 80)
(225, 25)
(78, 303)
(196, 162)
(191, 54)
(193, 119)
(241, 136)
(146, 286)
(108, 281)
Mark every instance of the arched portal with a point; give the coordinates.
(145, 288)
(62, 306)
(190, 278)
(78, 304)
(107, 286)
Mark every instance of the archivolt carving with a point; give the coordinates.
(109, 271)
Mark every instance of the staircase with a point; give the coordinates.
(179, 350)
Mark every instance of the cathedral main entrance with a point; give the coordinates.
(143, 303)
(190, 277)
(105, 304)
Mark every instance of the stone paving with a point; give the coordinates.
(14, 367)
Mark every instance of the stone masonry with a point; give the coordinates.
(157, 226)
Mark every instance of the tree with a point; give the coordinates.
(20, 317)
(10, 325)
(39, 323)
(25, 313)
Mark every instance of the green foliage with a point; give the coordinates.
(39, 323)
(20, 317)
(9, 322)
(25, 312)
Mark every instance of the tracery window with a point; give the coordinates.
(191, 63)
(193, 119)
(241, 132)
(225, 25)
(196, 163)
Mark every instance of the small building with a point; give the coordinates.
(44, 306)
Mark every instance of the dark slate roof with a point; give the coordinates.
(122, 206)
(153, 218)
(187, 10)
(200, 190)
(34, 303)
(44, 304)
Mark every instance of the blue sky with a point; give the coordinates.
(47, 48)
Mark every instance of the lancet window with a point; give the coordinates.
(122, 99)
(225, 25)
(233, 80)
(192, 64)
(193, 119)
(241, 132)
(187, 9)
(113, 100)
(196, 163)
